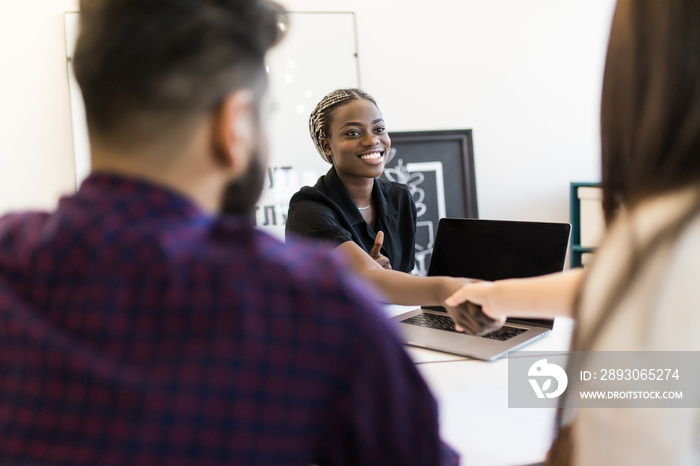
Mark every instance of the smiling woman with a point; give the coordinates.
(370, 221)
(349, 204)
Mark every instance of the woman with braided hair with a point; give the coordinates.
(371, 221)
(377, 216)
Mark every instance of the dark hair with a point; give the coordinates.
(145, 65)
(322, 116)
(650, 141)
(650, 109)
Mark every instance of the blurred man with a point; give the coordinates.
(139, 326)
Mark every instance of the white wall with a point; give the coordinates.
(523, 74)
(36, 152)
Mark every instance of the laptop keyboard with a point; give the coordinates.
(446, 323)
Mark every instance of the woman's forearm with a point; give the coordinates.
(406, 289)
(399, 287)
(546, 296)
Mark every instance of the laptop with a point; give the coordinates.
(487, 250)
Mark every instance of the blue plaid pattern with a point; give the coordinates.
(136, 329)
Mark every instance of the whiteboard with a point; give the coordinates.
(318, 55)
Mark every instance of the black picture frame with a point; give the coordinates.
(438, 167)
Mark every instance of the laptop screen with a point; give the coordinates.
(498, 249)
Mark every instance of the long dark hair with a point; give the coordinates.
(650, 140)
(650, 109)
(650, 119)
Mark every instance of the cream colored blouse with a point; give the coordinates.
(660, 311)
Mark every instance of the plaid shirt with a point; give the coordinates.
(136, 329)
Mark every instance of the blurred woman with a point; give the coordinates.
(641, 292)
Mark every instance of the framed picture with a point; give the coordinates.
(438, 168)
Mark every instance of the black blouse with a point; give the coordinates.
(326, 212)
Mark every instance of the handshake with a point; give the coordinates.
(468, 316)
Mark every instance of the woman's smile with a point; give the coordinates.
(373, 157)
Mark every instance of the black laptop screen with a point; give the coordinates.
(497, 249)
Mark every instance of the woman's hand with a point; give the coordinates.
(377, 255)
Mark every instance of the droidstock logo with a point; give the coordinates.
(546, 372)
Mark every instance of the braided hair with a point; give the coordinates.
(321, 118)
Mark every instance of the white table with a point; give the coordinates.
(473, 399)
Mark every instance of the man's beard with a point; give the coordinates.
(241, 195)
